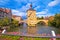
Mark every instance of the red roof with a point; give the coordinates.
(5, 10)
(15, 16)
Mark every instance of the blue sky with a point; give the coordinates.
(42, 7)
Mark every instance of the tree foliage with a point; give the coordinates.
(14, 22)
(1, 23)
(4, 22)
(55, 22)
(40, 18)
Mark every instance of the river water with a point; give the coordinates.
(39, 29)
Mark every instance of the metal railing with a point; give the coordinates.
(30, 37)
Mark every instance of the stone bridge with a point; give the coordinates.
(44, 21)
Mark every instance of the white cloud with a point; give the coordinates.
(4, 2)
(19, 1)
(25, 1)
(49, 14)
(32, 1)
(53, 3)
(25, 8)
(37, 7)
(16, 12)
(45, 11)
(19, 13)
(38, 14)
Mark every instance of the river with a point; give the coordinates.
(39, 29)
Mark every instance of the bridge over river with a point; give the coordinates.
(44, 21)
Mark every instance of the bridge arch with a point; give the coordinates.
(43, 22)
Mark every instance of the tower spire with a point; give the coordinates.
(30, 6)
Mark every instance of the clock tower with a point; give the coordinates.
(31, 17)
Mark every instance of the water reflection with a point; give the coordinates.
(44, 30)
(38, 30)
(32, 30)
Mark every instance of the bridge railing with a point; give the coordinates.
(27, 37)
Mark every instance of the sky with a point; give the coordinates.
(42, 7)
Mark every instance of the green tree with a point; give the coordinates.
(4, 22)
(13, 25)
(14, 22)
(40, 18)
(55, 22)
(1, 23)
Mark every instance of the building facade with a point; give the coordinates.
(17, 18)
(51, 18)
(5, 13)
(31, 17)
